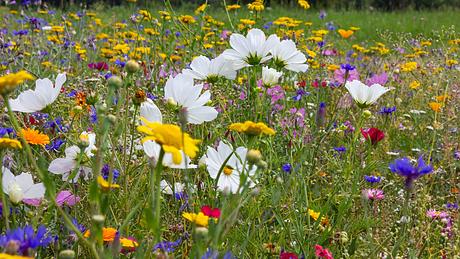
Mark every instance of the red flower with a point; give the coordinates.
(211, 212)
(323, 252)
(287, 255)
(373, 134)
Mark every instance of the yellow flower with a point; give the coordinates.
(9, 143)
(233, 7)
(171, 138)
(442, 98)
(201, 8)
(345, 33)
(252, 128)
(10, 81)
(436, 107)
(313, 214)
(304, 4)
(257, 6)
(105, 185)
(34, 137)
(187, 19)
(451, 62)
(57, 28)
(127, 243)
(414, 85)
(200, 219)
(409, 66)
(108, 234)
(333, 67)
(8, 256)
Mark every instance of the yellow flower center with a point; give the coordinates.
(228, 170)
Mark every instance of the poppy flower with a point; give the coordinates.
(210, 212)
(373, 134)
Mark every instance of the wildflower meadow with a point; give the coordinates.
(228, 129)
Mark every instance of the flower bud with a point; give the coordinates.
(98, 218)
(253, 156)
(66, 254)
(398, 100)
(139, 97)
(15, 193)
(201, 231)
(262, 164)
(367, 114)
(112, 118)
(171, 102)
(115, 82)
(132, 66)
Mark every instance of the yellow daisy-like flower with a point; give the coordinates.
(8, 256)
(201, 8)
(304, 4)
(257, 6)
(409, 66)
(171, 138)
(34, 137)
(9, 143)
(10, 81)
(127, 243)
(313, 214)
(200, 219)
(435, 106)
(252, 128)
(233, 7)
(414, 85)
(105, 185)
(187, 19)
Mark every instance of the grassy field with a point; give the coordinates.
(324, 174)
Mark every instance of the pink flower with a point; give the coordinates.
(323, 252)
(66, 198)
(434, 214)
(339, 75)
(380, 79)
(373, 194)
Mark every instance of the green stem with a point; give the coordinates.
(5, 208)
(156, 194)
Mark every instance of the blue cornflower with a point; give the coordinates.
(347, 67)
(20, 32)
(26, 238)
(404, 168)
(213, 254)
(105, 172)
(120, 63)
(299, 94)
(372, 178)
(5, 131)
(287, 168)
(93, 115)
(167, 246)
(321, 44)
(387, 110)
(452, 206)
(340, 149)
(322, 14)
(72, 93)
(55, 145)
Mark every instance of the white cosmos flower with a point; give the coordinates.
(270, 76)
(166, 188)
(202, 68)
(365, 95)
(150, 111)
(66, 165)
(43, 95)
(21, 187)
(253, 49)
(229, 180)
(181, 90)
(286, 55)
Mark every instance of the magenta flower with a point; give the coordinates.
(380, 79)
(66, 198)
(373, 194)
(434, 214)
(321, 252)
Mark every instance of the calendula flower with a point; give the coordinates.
(187, 19)
(257, 6)
(128, 244)
(9, 143)
(435, 106)
(34, 137)
(108, 234)
(198, 218)
(252, 128)
(233, 7)
(171, 138)
(105, 185)
(10, 81)
(345, 33)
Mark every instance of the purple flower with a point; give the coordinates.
(287, 168)
(380, 79)
(342, 73)
(340, 149)
(105, 172)
(347, 67)
(372, 179)
(99, 66)
(321, 115)
(26, 238)
(167, 246)
(404, 168)
(387, 110)
(322, 14)
(55, 145)
(452, 206)
(373, 194)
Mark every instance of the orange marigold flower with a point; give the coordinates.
(436, 107)
(108, 234)
(345, 33)
(34, 137)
